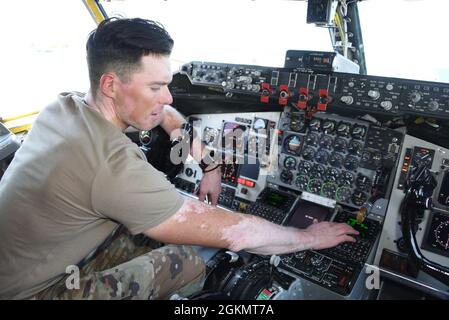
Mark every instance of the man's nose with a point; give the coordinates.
(166, 96)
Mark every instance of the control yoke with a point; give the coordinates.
(418, 198)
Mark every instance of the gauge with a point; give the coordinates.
(329, 126)
(304, 167)
(301, 181)
(335, 160)
(326, 141)
(286, 176)
(366, 156)
(350, 163)
(328, 190)
(315, 124)
(312, 139)
(314, 186)
(358, 131)
(290, 163)
(318, 171)
(308, 153)
(343, 194)
(340, 144)
(358, 197)
(145, 138)
(321, 156)
(210, 135)
(292, 144)
(343, 129)
(355, 148)
(332, 174)
(363, 182)
(442, 234)
(297, 122)
(260, 124)
(346, 178)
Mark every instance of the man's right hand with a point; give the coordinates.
(329, 234)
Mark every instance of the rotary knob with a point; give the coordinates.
(374, 94)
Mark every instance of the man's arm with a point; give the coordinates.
(199, 224)
(211, 181)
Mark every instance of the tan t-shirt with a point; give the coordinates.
(73, 180)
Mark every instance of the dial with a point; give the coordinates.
(315, 124)
(318, 171)
(332, 174)
(292, 144)
(363, 182)
(358, 131)
(442, 234)
(350, 163)
(297, 122)
(366, 156)
(358, 197)
(343, 129)
(301, 181)
(260, 124)
(355, 148)
(322, 156)
(329, 126)
(305, 167)
(308, 153)
(340, 144)
(328, 190)
(326, 141)
(210, 135)
(346, 178)
(312, 139)
(343, 194)
(314, 186)
(290, 163)
(286, 176)
(335, 160)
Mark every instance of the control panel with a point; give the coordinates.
(335, 157)
(284, 86)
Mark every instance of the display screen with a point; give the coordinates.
(250, 171)
(275, 199)
(306, 212)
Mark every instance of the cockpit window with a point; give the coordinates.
(233, 31)
(406, 38)
(43, 52)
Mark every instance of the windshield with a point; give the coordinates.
(402, 38)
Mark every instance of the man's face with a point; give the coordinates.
(139, 102)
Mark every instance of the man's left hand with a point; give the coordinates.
(210, 185)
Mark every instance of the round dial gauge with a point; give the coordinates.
(332, 174)
(210, 135)
(355, 148)
(318, 171)
(328, 190)
(358, 197)
(326, 141)
(329, 126)
(312, 139)
(286, 176)
(358, 132)
(343, 194)
(314, 186)
(350, 163)
(343, 129)
(346, 178)
(308, 153)
(290, 163)
(442, 234)
(315, 124)
(305, 167)
(335, 160)
(297, 122)
(301, 181)
(340, 145)
(321, 156)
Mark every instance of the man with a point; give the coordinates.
(79, 191)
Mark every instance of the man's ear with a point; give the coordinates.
(108, 84)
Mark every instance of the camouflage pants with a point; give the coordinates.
(129, 268)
